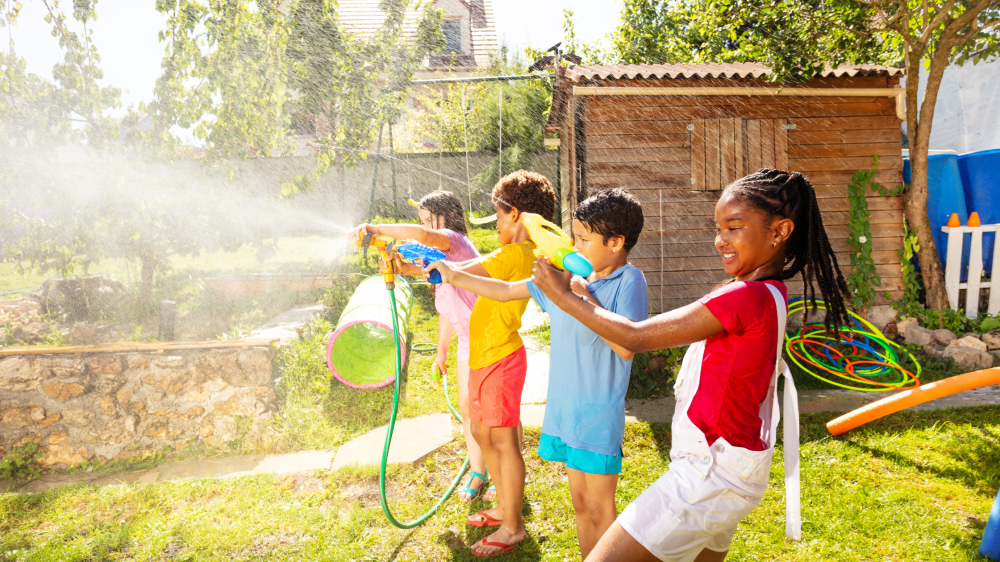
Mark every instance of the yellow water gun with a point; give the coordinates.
(555, 245)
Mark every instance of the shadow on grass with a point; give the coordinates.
(982, 451)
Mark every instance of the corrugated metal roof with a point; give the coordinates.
(702, 71)
(365, 18)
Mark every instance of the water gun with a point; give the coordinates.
(555, 245)
(413, 252)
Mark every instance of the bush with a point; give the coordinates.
(20, 463)
(654, 372)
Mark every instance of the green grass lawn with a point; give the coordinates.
(915, 486)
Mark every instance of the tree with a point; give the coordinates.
(460, 117)
(348, 86)
(796, 38)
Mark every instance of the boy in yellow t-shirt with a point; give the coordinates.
(497, 357)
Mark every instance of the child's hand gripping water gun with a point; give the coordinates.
(418, 254)
(555, 245)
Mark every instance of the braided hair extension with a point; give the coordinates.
(446, 204)
(807, 252)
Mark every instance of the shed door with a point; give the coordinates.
(723, 150)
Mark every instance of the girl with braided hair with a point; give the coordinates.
(768, 229)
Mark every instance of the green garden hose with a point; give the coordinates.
(388, 437)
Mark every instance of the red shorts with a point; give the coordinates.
(495, 391)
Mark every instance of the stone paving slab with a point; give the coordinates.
(413, 440)
(226, 467)
(536, 380)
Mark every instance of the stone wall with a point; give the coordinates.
(119, 404)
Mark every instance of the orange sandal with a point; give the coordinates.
(486, 522)
(504, 548)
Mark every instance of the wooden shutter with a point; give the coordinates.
(724, 150)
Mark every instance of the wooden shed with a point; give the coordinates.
(676, 135)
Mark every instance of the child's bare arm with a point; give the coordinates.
(493, 289)
(579, 286)
(424, 235)
(681, 326)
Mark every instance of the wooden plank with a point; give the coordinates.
(674, 113)
(669, 222)
(852, 164)
(738, 148)
(835, 123)
(626, 101)
(829, 190)
(877, 230)
(767, 143)
(753, 157)
(636, 183)
(706, 248)
(875, 203)
(681, 168)
(712, 157)
(796, 137)
(598, 128)
(638, 141)
(886, 216)
(706, 278)
(826, 82)
(638, 155)
(780, 144)
(671, 196)
(844, 150)
(682, 209)
(727, 149)
(889, 177)
(698, 156)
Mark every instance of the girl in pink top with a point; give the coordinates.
(442, 226)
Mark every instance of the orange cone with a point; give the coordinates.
(974, 219)
(953, 220)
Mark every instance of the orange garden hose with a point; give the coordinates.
(913, 397)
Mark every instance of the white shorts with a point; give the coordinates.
(686, 511)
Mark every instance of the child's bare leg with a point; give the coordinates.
(617, 544)
(476, 461)
(594, 503)
(510, 489)
(484, 436)
(491, 495)
(707, 555)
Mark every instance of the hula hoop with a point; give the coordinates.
(864, 355)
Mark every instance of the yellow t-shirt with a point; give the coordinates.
(493, 325)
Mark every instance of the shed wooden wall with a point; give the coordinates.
(644, 144)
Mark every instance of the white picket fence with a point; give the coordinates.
(953, 269)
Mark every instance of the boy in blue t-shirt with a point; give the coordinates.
(588, 376)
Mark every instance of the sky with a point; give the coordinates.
(126, 35)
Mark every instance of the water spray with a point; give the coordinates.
(384, 248)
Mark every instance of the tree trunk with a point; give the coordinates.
(918, 130)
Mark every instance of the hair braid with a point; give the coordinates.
(807, 251)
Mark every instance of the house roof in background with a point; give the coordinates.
(736, 73)
(365, 18)
(696, 71)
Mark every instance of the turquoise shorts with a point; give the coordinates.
(553, 449)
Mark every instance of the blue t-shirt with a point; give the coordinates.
(585, 406)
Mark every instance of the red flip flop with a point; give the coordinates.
(504, 547)
(486, 522)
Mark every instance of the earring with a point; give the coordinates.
(774, 244)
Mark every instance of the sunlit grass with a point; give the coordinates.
(915, 486)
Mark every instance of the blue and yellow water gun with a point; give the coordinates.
(415, 253)
(555, 245)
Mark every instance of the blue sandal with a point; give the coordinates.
(474, 492)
